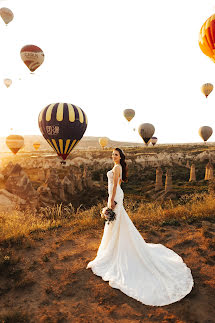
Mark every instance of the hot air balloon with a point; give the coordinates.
(146, 131)
(207, 88)
(103, 142)
(32, 56)
(36, 145)
(207, 36)
(129, 114)
(7, 15)
(154, 140)
(205, 132)
(15, 143)
(7, 82)
(62, 125)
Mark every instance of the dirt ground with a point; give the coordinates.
(46, 280)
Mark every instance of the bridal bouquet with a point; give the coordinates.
(108, 214)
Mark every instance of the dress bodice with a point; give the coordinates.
(110, 176)
(119, 192)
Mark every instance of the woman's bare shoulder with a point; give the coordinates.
(117, 169)
(118, 166)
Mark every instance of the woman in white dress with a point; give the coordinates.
(150, 273)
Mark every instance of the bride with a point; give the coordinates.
(150, 273)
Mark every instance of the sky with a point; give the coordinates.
(106, 56)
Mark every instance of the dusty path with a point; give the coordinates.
(46, 280)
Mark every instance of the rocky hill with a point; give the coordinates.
(40, 179)
(87, 142)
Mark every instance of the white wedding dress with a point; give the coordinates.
(150, 273)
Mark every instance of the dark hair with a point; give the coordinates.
(123, 164)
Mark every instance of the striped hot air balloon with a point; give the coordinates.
(15, 143)
(207, 38)
(32, 56)
(36, 145)
(62, 125)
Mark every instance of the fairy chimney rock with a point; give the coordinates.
(192, 173)
(168, 181)
(68, 184)
(207, 169)
(158, 183)
(87, 180)
(18, 183)
(210, 171)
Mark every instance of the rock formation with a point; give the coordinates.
(7, 170)
(10, 202)
(187, 164)
(208, 171)
(192, 173)
(45, 197)
(168, 181)
(56, 190)
(68, 186)
(55, 185)
(158, 183)
(18, 183)
(211, 172)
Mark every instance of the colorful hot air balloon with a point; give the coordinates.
(7, 82)
(154, 140)
(36, 145)
(62, 125)
(129, 114)
(103, 142)
(205, 132)
(7, 15)
(32, 56)
(207, 88)
(146, 131)
(207, 38)
(15, 143)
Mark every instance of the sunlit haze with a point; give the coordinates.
(107, 56)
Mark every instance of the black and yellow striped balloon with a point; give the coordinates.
(62, 125)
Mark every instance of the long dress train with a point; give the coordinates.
(150, 273)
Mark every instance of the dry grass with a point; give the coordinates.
(18, 225)
(13, 317)
(43, 276)
(190, 208)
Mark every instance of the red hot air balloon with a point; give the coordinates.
(32, 56)
(207, 37)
